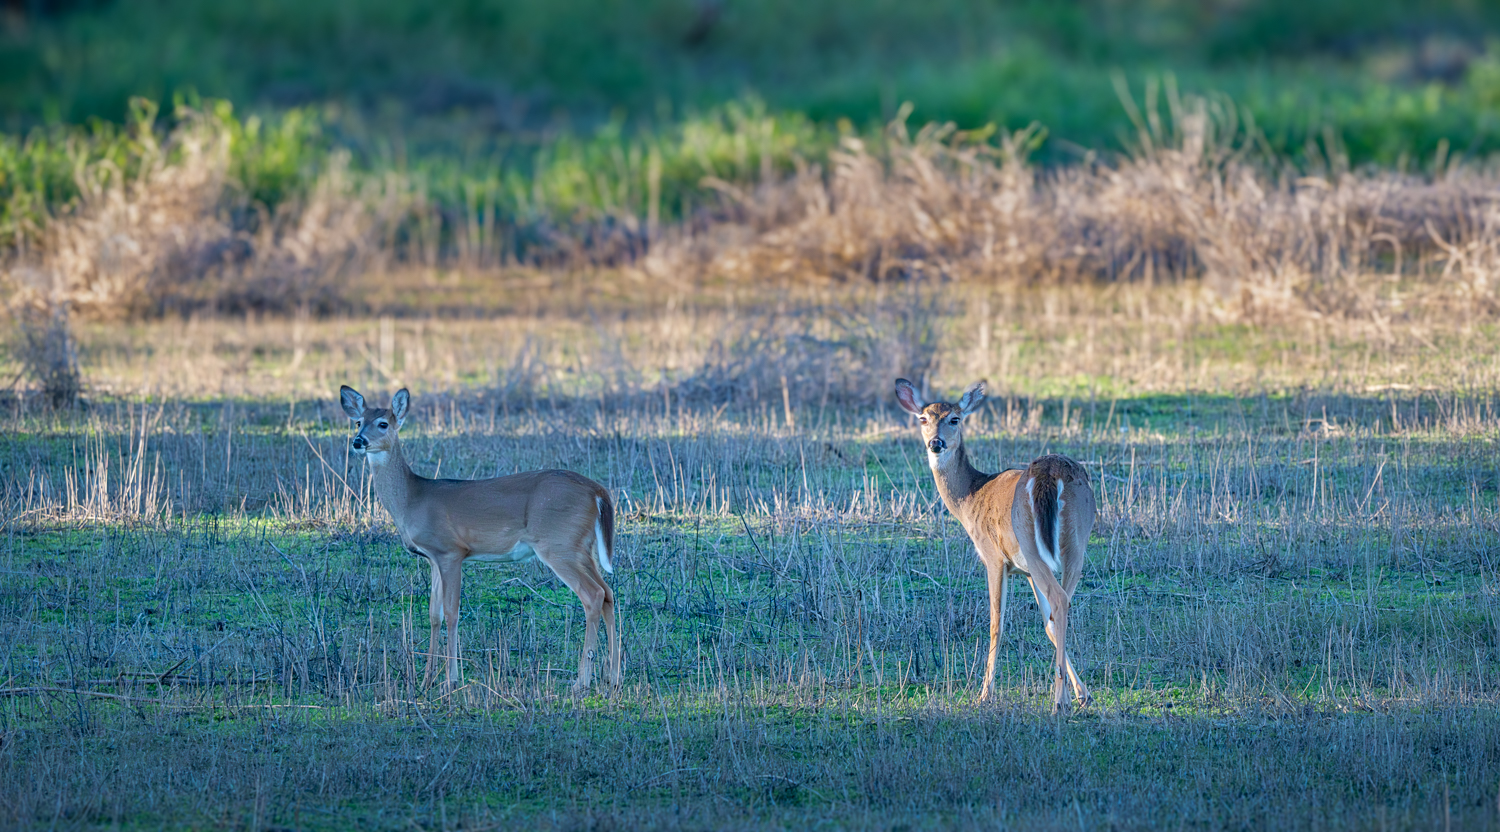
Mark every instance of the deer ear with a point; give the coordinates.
(399, 403)
(908, 398)
(972, 398)
(352, 402)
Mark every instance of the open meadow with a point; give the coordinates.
(1289, 614)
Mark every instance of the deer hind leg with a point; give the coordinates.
(435, 618)
(1072, 572)
(453, 578)
(592, 594)
(577, 570)
(1054, 604)
(1080, 690)
(614, 671)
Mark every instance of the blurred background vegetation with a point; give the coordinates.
(544, 110)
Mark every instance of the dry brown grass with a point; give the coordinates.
(577, 335)
(1197, 201)
(164, 239)
(1193, 202)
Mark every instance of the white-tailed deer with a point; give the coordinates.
(563, 519)
(1032, 521)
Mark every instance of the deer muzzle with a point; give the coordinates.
(936, 445)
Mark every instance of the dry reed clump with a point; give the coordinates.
(166, 239)
(838, 353)
(1195, 200)
(48, 355)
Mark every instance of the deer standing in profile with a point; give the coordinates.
(561, 518)
(1032, 521)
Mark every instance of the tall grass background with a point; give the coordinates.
(224, 215)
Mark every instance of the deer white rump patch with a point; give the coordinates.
(601, 551)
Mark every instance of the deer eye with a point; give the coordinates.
(922, 419)
(383, 425)
(953, 421)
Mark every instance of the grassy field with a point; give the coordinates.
(1288, 617)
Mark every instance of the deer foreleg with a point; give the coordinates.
(453, 578)
(997, 577)
(435, 618)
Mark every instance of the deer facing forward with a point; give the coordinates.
(563, 519)
(1032, 522)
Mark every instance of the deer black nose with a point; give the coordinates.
(936, 445)
(360, 442)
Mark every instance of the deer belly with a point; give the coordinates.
(519, 553)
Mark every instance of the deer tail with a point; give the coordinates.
(1046, 502)
(604, 534)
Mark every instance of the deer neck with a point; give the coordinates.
(395, 483)
(956, 479)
